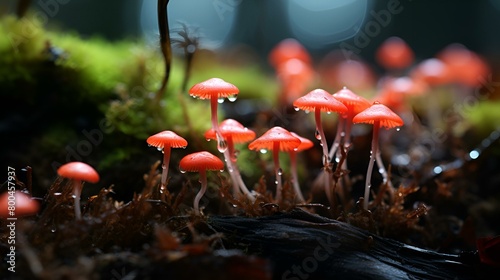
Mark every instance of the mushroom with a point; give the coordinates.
(216, 90)
(17, 204)
(394, 53)
(165, 141)
(200, 162)
(78, 172)
(233, 132)
(288, 49)
(305, 144)
(378, 115)
(354, 104)
(320, 100)
(276, 139)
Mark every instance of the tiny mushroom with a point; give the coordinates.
(394, 53)
(305, 144)
(276, 139)
(234, 132)
(165, 141)
(320, 100)
(378, 115)
(78, 172)
(215, 89)
(354, 104)
(200, 162)
(17, 204)
(288, 49)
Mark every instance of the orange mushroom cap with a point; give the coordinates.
(465, 65)
(233, 128)
(213, 88)
(166, 138)
(381, 113)
(352, 101)
(319, 98)
(288, 49)
(305, 144)
(394, 53)
(78, 171)
(200, 161)
(286, 140)
(25, 206)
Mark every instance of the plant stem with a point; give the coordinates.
(166, 49)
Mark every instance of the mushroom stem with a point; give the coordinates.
(203, 181)
(221, 142)
(321, 135)
(385, 175)
(277, 171)
(338, 138)
(164, 173)
(231, 157)
(326, 158)
(77, 191)
(295, 178)
(373, 153)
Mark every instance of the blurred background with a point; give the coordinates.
(321, 25)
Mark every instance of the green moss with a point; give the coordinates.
(483, 116)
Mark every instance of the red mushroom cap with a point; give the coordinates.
(381, 113)
(319, 98)
(234, 129)
(352, 101)
(166, 138)
(213, 88)
(394, 53)
(78, 171)
(25, 206)
(286, 140)
(288, 49)
(200, 161)
(305, 144)
(465, 65)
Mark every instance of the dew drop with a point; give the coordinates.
(163, 166)
(222, 170)
(220, 100)
(208, 139)
(53, 230)
(280, 171)
(276, 182)
(160, 149)
(474, 154)
(381, 171)
(398, 128)
(232, 98)
(307, 111)
(329, 113)
(296, 108)
(317, 135)
(263, 151)
(183, 171)
(221, 145)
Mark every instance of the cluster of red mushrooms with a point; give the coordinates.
(294, 71)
